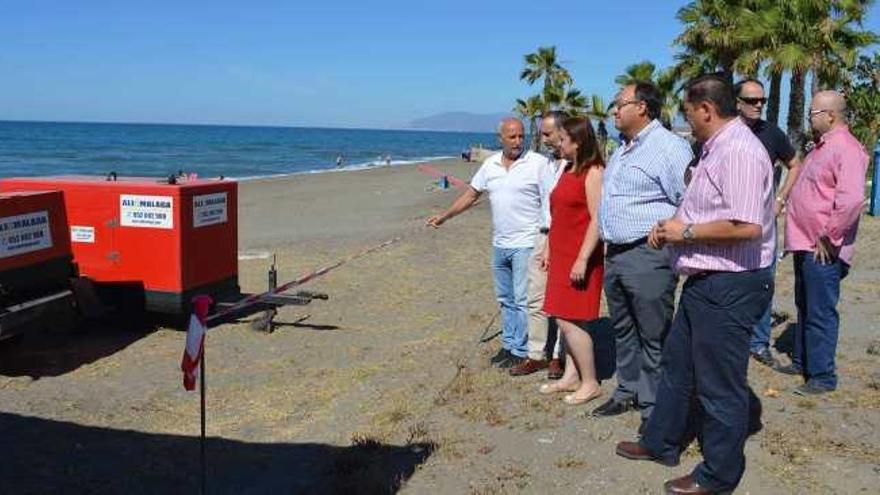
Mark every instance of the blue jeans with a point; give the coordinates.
(510, 268)
(761, 333)
(816, 291)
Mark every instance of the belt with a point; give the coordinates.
(544, 230)
(615, 249)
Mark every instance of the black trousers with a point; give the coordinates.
(706, 358)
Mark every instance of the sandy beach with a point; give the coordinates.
(385, 387)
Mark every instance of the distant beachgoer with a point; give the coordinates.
(340, 161)
(820, 229)
(750, 102)
(512, 178)
(544, 340)
(466, 155)
(387, 159)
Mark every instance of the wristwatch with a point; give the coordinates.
(688, 234)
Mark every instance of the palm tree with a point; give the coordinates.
(530, 109)
(568, 100)
(599, 111)
(542, 65)
(636, 73)
(821, 37)
(710, 38)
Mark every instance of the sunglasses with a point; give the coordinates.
(752, 101)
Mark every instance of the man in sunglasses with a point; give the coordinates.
(750, 101)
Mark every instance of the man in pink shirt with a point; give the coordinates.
(722, 238)
(820, 229)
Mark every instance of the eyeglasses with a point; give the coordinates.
(813, 113)
(752, 101)
(620, 104)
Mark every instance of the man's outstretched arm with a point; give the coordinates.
(467, 199)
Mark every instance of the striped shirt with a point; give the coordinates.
(733, 181)
(643, 183)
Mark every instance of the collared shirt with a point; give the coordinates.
(827, 198)
(643, 183)
(776, 143)
(733, 181)
(549, 177)
(515, 198)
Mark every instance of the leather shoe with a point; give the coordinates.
(685, 484)
(612, 407)
(528, 367)
(790, 369)
(511, 362)
(501, 355)
(555, 369)
(765, 357)
(634, 451)
(812, 388)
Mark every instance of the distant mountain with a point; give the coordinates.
(459, 121)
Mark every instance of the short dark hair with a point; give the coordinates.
(737, 88)
(648, 93)
(558, 117)
(714, 89)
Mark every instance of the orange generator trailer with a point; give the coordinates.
(149, 243)
(35, 258)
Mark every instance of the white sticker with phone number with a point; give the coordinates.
(155, 212)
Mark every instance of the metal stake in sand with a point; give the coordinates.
(203, 460)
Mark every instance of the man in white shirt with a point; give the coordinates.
(513, 180)
(544, 340)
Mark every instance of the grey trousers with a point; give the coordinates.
(640, 290)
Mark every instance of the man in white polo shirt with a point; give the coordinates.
(513, 180)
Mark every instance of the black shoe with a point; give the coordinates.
(790, 369)
(812, 388)
(511, 362)
(501, 355)
(765, 357)
(612, 408)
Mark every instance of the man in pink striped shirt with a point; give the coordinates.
(722, 238)
(820, 229)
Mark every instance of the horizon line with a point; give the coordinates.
(203, 124)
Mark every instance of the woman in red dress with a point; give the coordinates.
(574, 260)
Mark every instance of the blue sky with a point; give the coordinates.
(331, 63)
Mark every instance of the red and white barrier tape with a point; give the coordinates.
(433, 172)
(256, 298)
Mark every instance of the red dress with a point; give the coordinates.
(569, 221)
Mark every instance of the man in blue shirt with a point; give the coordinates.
(643, 183)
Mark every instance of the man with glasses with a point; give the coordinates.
(643, 183)
(820, 229)
(750, 101)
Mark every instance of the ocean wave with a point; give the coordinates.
(356, 166)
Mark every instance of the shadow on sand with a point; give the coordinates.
(54, 350)
(45, 456)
